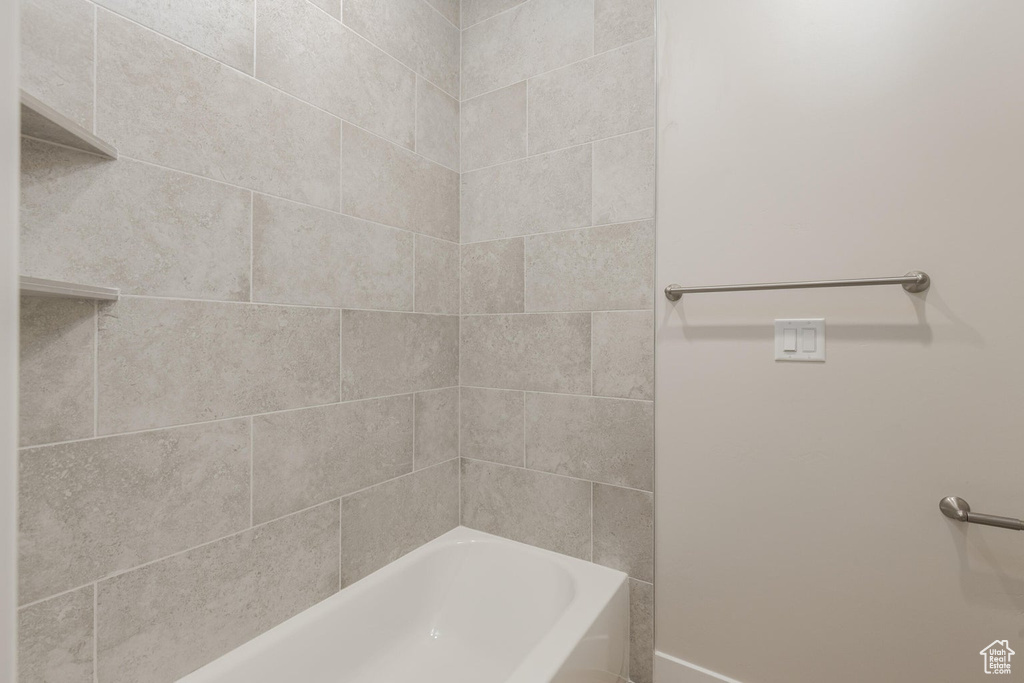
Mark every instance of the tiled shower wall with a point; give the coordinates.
(557, 336)
(271, 410)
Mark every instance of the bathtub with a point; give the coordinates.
(467, 607)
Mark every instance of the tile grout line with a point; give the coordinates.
(222, 419)
(360, 36)
(255, 19)
(564, 66)
(95, 60)
(410, 67)
(561, 312)
(562, 476)
(278, 304)
(259, 192)
(252, 471)
(95, 632)
(558, 231)
(119, 572)
(591, 353)
(287, 94)
(341, 355)
(450, 22)
(635, 131)
(496, 14)
(591, 521)
(252, 245)
(557, 393)
(339, 544)
(459, 338)
(525, 465)
(95, 368)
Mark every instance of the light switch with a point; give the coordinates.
(789, 339)
(800, 340)
(810, 337)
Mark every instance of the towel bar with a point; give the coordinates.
(914, 281)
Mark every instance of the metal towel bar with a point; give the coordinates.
(957, 508)
(914, 281)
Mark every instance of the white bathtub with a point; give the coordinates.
(467, 607)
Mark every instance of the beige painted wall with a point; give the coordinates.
(798, 536)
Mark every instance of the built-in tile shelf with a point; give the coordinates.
(37, 286)
(40, 120)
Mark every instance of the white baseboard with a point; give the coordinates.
(669, 669)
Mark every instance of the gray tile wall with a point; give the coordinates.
(272, 409)
(557, 276)
(356, 243)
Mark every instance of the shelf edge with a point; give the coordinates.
(37, 286)
(42, 122)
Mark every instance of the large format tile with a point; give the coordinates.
(624, 178)
(437, 276)
(57, 55)
(548, 352)
(437, 124)
(305, 457)
(600, 439)
(618, 22)
(641, 631)
(304, 255)
(531, 507)
(89, 508)
(604, 268)
(221, 29)
(437, 426)
(382, 523)
(138, 227)
(494, 127)
(624, 354)
(537, 194)
(394, 186)
(413, 33)
(159, 622)
(55, 382)
(164, 362)
(309, 54)
(492, 426)
(492, 276)
(532, 38)
(397, 353)
(55, 639)
(624, 530)
(610, 94)
(475, 11)
(162, 103)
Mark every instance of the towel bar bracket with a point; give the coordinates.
(956, 508)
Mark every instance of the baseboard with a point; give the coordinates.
(669, 669)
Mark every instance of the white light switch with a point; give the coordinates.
(810, 337)
(800, 340)
(789, 340)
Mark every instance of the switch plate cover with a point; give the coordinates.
(809, 334)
